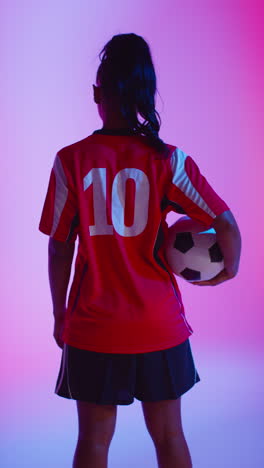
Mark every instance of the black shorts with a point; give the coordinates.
(115, 379)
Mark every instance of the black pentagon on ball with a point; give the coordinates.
(190, 274)
(183, 241)
(215, 253)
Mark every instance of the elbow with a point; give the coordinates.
(225, 221)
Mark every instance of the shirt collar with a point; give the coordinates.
(115, 131)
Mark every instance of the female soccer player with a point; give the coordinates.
(124, 332)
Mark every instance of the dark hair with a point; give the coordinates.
(126, 74)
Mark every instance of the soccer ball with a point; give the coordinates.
(192, 252)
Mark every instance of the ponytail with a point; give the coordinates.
(127, 76)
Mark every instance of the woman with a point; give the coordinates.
(124, 332)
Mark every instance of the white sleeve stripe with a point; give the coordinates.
(61, 193)
(182, 181)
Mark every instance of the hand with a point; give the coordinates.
(220, 278)
(57, 332)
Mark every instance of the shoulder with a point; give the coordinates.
(73, 147)
(67, 154)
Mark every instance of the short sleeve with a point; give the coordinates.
(59, 218)
(187, 190)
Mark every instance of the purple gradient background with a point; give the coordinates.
(208, 58)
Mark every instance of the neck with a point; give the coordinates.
(114, 119)
(115, 124)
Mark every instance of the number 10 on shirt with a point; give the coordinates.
(97, 178)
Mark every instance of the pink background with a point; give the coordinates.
(208, 57)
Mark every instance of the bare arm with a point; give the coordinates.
(229, 240)
(60, 256)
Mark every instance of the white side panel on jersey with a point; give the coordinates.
(61, 193)
(182, 181)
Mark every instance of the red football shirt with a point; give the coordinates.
(113, 191)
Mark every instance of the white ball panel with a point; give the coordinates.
(196, 258)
